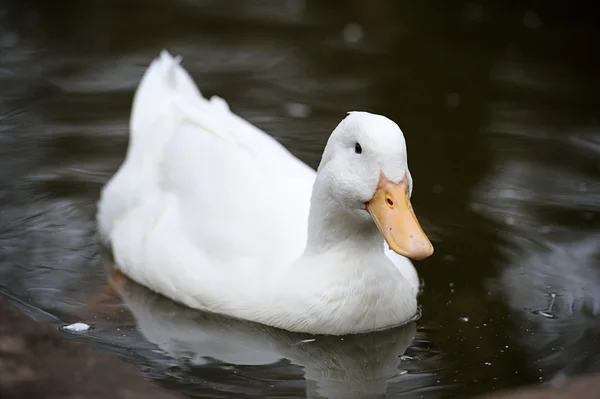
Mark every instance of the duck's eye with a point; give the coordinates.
(357, 148)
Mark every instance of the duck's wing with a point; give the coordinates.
(237, 188)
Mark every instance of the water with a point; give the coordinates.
(500, 108)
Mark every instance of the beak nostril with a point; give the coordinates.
(390, 201)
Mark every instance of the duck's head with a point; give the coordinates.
(365, 168)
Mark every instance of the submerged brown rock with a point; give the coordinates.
(35, 362)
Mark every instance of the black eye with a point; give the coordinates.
(357, 148)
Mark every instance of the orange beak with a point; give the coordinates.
(393, 214)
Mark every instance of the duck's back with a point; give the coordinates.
(202, 192)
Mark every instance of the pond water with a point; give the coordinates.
(499, 104)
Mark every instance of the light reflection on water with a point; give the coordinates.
(543, 192)
(500, 113)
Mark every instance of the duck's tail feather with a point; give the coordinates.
(153, 106)
(166, 100)
(167, 89)
(153, 123)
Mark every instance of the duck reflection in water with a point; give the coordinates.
(352, 366)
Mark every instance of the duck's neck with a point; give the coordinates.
(330, 226)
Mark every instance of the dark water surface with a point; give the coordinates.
(500, 108)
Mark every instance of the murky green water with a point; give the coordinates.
(501, 112)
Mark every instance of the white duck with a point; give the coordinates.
(212, 212)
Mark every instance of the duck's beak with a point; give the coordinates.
(393, 214)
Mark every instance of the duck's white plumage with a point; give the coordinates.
(212, 212)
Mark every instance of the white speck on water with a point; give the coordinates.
(531, 20)
(453, 100)
(76, 327)
(305, 341)
(297, 110)
(509, 220)
(353, 33)
(464, 318)
(488, 363)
